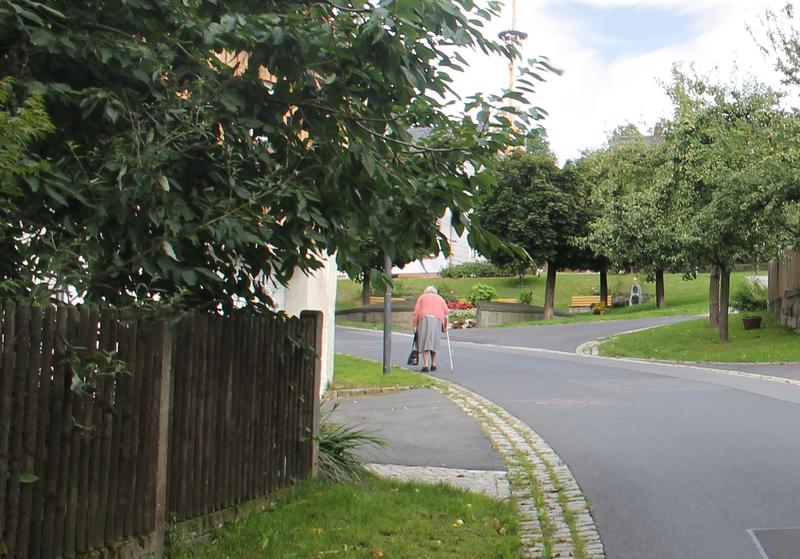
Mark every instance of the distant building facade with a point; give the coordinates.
(460, 252)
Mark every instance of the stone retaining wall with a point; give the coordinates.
(491, 313)
(401, 313)
(786, 309)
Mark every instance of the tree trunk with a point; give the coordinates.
(604, 284)
(713, 297)
(387, 317)
(660, 302)
(366, 289)
(550, 290)
(724, 299)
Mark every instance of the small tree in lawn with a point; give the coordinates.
(731, 154)
(539, 207)
(635, 204)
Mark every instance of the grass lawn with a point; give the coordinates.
(378, 518)
(696, 341)
(354, 372)
(683, 297)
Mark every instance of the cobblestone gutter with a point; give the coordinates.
(556, 522)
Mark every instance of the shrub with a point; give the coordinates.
(446, 290)
(599, 308)
(751, 296)
(399, 289)
(474, 270)
(618, 301)
(481, 292)
(526, 297)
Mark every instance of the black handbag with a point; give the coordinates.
(413, 357)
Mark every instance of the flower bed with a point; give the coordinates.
(463, 317)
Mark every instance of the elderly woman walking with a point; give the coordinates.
(429, 320)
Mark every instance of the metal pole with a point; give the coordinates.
(449, 348)
(511, 63)
(387, 317)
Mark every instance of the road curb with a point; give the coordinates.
(355, 392)
(591, 349)
(557, 521)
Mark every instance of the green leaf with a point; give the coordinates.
(168, 250)
(28, 478)
(164, 182)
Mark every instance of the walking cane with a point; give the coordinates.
(449, 348)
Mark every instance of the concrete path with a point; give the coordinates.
(423, 428)
(442, 426)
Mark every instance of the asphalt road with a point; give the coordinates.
(676, 462)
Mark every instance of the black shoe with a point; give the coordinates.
(433, 367)
(423, 370)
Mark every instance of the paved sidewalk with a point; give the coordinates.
(489, 482)
(434, 435)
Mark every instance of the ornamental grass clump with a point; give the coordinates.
(338, 446)
(751, 296)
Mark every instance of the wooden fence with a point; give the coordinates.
(109, 425)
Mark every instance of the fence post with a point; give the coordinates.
(315, 412)
(162, 437)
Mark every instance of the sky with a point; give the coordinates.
(616, 56)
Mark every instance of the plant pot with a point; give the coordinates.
(751, 322)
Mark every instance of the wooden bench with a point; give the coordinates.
(583, 303)
(374, 300)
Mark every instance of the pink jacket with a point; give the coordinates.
(430, 304)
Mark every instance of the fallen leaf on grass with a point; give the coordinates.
(377, 553)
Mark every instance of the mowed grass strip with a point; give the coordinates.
(683, 297)
(695, 340)
(355, 372)
(378, 518)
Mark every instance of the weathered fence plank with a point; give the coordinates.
(29, 437)
(42, 431)
(209, 413)
(109, 333)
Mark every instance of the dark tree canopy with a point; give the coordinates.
(200, 147)
(539, 207)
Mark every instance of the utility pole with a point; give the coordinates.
(510, 37)
(387, 316)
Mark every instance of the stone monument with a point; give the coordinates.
(636, 294)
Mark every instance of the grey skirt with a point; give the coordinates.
(429, 332)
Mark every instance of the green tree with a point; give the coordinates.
(176, 175)
(636, 203)
(21, 125)
(734, 164)
(541, 208)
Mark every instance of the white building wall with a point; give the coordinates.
(314, 292)
(460, 252)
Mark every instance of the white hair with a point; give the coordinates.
(431, 289)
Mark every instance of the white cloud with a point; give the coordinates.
(594, 95)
